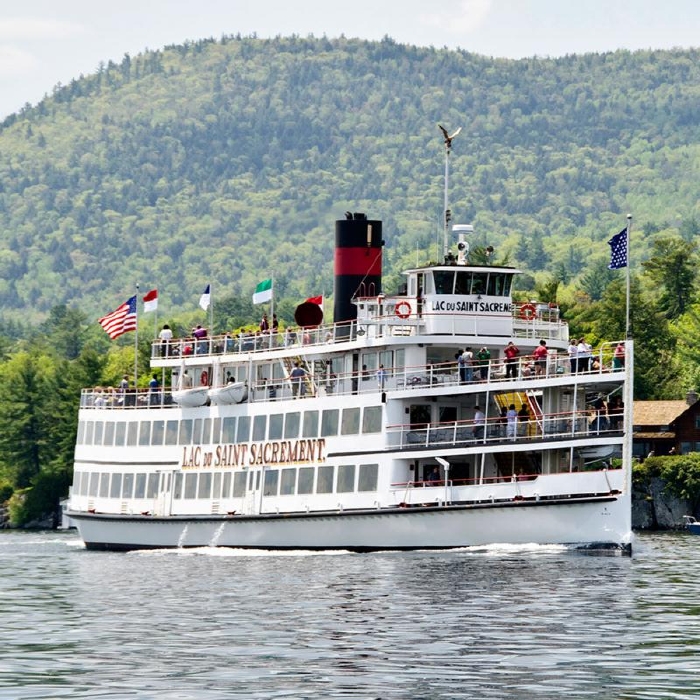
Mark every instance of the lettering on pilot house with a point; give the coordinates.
(473, 306)
(258, 453)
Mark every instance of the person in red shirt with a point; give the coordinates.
(511, 353)
(540, 355)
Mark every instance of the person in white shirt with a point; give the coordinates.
(479, 422)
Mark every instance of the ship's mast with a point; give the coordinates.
(448, 214)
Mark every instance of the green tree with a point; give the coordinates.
(672, 269)
(26, 393)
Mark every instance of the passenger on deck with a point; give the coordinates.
(511, 353)
(200, 335)
(154, 391)
(540, 355)
(479, 423)
(165, 335)
(298, 375)
(523, 420)
(185, 380)
(573, 355)
(512, 421)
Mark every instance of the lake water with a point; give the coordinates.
(500, 622)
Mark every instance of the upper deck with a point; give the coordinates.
(381, 320)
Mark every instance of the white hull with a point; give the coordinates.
(593, 523)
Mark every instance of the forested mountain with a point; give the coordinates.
(227, 161)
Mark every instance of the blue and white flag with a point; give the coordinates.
(205, 299)
(618, 250)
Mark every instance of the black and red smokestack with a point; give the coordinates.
(358, 263)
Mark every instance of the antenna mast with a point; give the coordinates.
(448, 214)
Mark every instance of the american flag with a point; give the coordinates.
(618, 250)
(121, 320)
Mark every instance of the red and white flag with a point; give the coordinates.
(316, 300)
(150, 301)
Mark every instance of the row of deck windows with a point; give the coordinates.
(205, 431)
(345, 478)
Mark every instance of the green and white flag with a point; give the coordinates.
(263, 292)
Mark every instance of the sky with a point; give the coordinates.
(46, 42)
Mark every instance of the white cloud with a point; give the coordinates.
(463, 17)
(15, 62)
(23, 28)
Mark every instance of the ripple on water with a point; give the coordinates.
(525, 622)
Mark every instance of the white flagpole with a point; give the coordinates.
(627, 253)
(136, 342)
(211, 312)
(272, 300)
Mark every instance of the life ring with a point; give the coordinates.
(204, 378)
(403, 309)
(528, 311)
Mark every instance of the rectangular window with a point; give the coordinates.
(291, 425)
(216, 432)
(479, 282)
(145, 433)
(324, 483)
(191, 485)
(81, 433)
(226, 485)
(104, 485)
(132, 433)
(109, 433)
(152, 490)
(463, 284)
(310, 424)
(84, 481)
(177, 486)
(204, 485)
(351, 421)
(287, 482)
(185, 437)
(128, 486)
(385, 358)
(206, 431)
(369, 366)
(243, 434)
(306, 480)
(259, 428)
(197, 431)
(140, 486)
(99, 427)
(329, 422)
(115, 488)
(367, 480)
(239, 484)
(372, 419)
(444, 281)
(171, 432)
(94, 484)
(120, 434)
(346, 478)
(271, 482)
(399, 359)
(216, 486)
(89, 432)
(276, 422)
(158, 432)
(228, 430)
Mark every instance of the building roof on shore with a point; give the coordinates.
(658, 412)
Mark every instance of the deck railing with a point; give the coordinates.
(412, 378)
(584, 423)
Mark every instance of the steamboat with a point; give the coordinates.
(442, 416)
